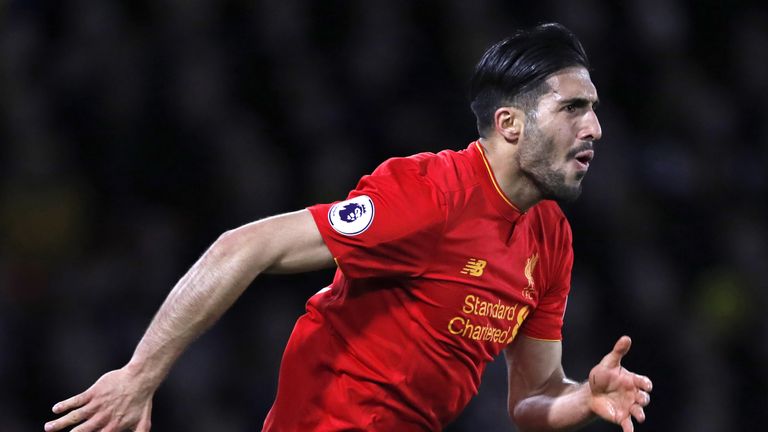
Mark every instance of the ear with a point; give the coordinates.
(509, 123)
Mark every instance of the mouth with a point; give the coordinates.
(583, 158)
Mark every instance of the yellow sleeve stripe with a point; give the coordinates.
(543, 340)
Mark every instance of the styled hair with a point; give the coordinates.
(513, 71)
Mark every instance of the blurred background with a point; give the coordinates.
(132, 134)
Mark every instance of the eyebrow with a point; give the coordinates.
(580, 102)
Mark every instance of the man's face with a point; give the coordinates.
(557, 143)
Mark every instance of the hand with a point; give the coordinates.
(118, 401)
(618, 394)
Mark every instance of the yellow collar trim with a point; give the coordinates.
(493, 178)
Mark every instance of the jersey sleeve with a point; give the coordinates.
(546, 320)
(387, 225)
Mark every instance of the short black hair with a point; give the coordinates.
(513, 71)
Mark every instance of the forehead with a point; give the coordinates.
(571, 83)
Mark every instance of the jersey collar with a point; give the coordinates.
(490, 186)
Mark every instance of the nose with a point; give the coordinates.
(591, 130)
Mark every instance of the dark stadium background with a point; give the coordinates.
(133, 133)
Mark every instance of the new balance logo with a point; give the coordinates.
(474, 267)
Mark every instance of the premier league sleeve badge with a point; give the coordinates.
(353, 216)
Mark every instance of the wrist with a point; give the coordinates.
(594, 400)
(144, 371)
(580, 399)
(568, 408)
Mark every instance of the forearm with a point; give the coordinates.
(563, 408)
(287, 243)
(202, 295)
(122, 399)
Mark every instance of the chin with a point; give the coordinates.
(569, 197)
(564, 193)
(557, 185)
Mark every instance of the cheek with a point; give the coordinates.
(538, 152)
(562, 142)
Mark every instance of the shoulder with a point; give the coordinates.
(548, 211)
(446, 171)
(427, 164)
(407, 184)
(549, 223)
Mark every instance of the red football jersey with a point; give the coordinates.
(437, 273)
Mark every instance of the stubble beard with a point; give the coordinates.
(535, 159)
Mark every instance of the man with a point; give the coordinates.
(444, 261)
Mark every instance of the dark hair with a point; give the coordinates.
(513, 71)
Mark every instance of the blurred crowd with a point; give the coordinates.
(132, 134)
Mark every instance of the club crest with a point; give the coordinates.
(530, 265)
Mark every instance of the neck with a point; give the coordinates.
(517, 187)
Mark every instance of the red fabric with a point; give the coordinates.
(431, 286)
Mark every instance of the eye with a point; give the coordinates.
(571, 108)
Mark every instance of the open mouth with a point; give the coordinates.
(585, 157)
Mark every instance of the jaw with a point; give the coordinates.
(560, 185)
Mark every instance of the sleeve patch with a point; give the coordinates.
(353, 216)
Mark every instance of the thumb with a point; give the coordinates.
(613, 358)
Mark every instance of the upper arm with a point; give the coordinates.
(381, 228)
(533, 367)
(287, 243)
